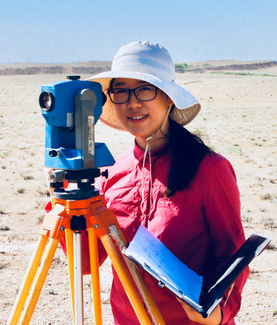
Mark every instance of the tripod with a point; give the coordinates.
(72, 212)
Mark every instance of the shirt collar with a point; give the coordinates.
(139, 152)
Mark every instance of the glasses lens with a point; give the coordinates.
(119, 96)
(146, 93)
(143, 93)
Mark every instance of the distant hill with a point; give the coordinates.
(93, 67)
(225, 65)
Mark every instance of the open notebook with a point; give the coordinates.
(153, 257)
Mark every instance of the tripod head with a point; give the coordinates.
(71, 109)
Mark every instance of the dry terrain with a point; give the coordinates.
(238, 120)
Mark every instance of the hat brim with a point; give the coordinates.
(186, 105)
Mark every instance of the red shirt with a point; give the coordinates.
(200, 225)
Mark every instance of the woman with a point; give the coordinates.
(170, 182)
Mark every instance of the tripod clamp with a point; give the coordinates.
(83, 178)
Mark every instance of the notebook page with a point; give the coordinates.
(147, 249)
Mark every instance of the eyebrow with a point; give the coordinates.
(118, 84)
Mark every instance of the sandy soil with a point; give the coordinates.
(238, 120)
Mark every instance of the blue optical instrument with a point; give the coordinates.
(71, 109)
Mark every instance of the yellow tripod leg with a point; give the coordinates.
(28, 280)
(44, 268)
(95, 278)
(70, 259)
(152, 304)
(125, 280)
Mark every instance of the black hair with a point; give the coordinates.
(111, 83)
(187, 151)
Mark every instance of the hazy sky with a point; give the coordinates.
(56, 31)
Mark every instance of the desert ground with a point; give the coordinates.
(238, 120)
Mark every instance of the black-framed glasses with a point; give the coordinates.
(122, 95)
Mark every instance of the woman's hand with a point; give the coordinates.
(215, 317)
(47, 172)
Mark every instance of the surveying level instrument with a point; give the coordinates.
(71, 109)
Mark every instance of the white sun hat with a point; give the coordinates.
(151, 63)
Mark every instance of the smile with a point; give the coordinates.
(140, 117)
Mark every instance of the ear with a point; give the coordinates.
(170, 102)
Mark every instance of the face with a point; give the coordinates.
(142, 118)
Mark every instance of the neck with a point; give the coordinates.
(158, 139)
(142, 143)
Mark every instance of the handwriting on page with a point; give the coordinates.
(147, 249)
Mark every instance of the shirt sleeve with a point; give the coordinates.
(222, 209)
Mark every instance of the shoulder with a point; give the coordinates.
(120, 173)
(215, 163)
(127, 154)
(123, 162)
(216, 174)
(214, 170)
